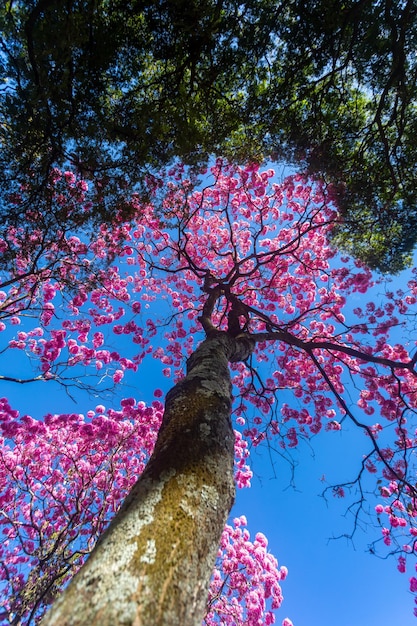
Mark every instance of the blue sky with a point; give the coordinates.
(330, 582)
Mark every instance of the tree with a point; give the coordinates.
(242, 272)
(117, 89)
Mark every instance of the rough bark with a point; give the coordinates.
(153, 565)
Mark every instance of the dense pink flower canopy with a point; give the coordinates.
(238, 241)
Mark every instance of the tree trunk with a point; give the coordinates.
(153, 564)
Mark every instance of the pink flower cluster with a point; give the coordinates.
(245, 587)
(243, 473)
(61, 480)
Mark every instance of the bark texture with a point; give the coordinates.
(153, 565)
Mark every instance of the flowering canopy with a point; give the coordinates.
(239, 253)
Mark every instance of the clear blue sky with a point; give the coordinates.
(330, 583)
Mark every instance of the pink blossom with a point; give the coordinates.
(98, 339)
(401, 564)
(69, 177)
(117, 376)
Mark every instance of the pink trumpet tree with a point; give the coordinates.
(238, 277)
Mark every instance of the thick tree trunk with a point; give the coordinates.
(152, 566)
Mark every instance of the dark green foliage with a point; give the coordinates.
(118, 88)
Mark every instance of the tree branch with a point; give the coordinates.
(309, 346)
